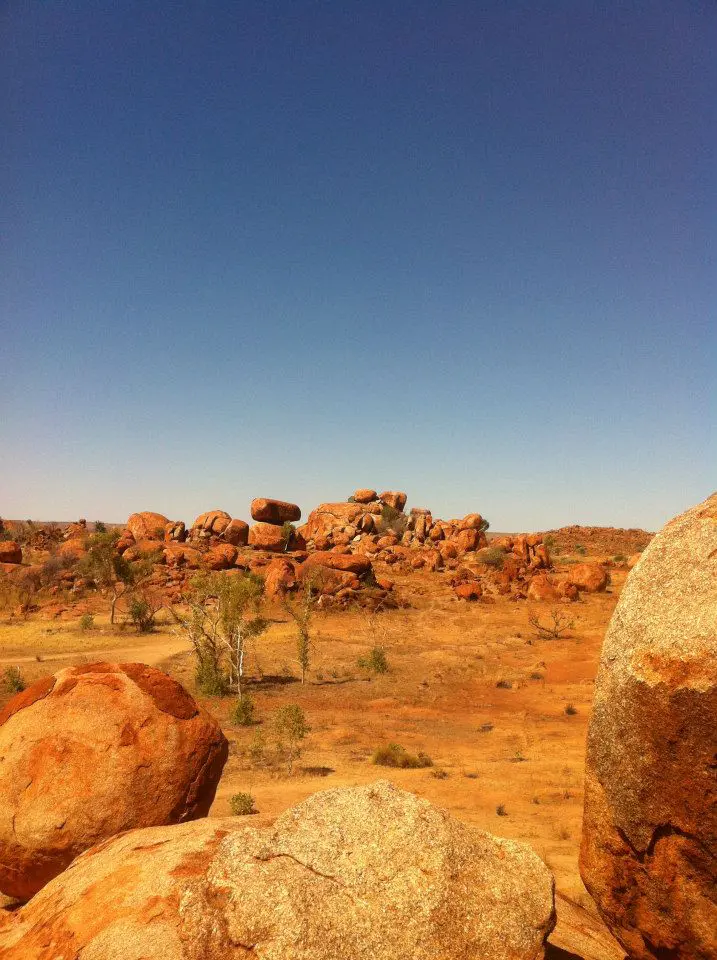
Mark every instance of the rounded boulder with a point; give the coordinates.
(274, 511)
(351, 873)
(93, 751)
(649, 844)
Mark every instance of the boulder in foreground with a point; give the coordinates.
(90, 752)
(649, 846)
(365, 872)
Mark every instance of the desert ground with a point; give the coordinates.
(500, 709)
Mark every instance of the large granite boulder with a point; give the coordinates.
(649, 847)
(358, 873)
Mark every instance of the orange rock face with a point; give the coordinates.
(468, 591)
(236, 532)
(351, 562)
(279, 577)
(274, 511)
(211, 523)
(90, 752)
(147, 526)
(10, 552)
(649, 845)
(590, 577)
(266, 536)
(393, 498)
(540, 588)
(220, 557)
(364, 495)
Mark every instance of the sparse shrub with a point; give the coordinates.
(210, 680)
(493, 557)
(13, 681)
(536, 801)
(518, 757)
(394, 755)
(536, 676)
(142, 614)
(244, 712)
(620, 558)
(485, 727)
(100, 527)
(440, 774)
(242, 804)
(504, 685)
(224, 620)
(375, 660)
(579, 548)
(564, 833)
(470, 775)
(392, 521)
(558, 627)
(287, 534)
(501, 811)
(570, 710)
(301, 611)
(257, 748)
(290, 728)
(87, 621)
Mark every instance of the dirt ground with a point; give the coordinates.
(501, 711)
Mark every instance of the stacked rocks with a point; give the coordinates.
(269, 532)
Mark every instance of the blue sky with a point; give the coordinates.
(291, 248)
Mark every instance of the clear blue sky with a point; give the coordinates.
(463, 249)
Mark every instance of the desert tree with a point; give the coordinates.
(110, 570)
(223, 619)
(290, 728)
(301, 611)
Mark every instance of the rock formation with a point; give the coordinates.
(90, 752)
(649, 847)
(351, 873)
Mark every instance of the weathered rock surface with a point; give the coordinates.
(147, 525)
(10, 552)
(367, 872)
(267, 536)
(213, 523)
(236, 532)
(364, 495)
(393, 498)
(274, 511)
(649, 847)
(590, 577)
(92, 751)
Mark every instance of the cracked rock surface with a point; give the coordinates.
(94, 750)
(649, 847)
(365, 873)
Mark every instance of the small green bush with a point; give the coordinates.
(394, 755)
(620, 558)
(579, 548)
(87, 621)
(375, 661)
(210, 681)
(242, 804)
(244, 712)
(12, 680)
(141, 614)
(493, 557)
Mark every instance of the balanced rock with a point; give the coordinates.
(649, 846)
(147, 526)
(90, 752)
(351, 873)
(10, 552)
(274, 511)
(365, 495)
